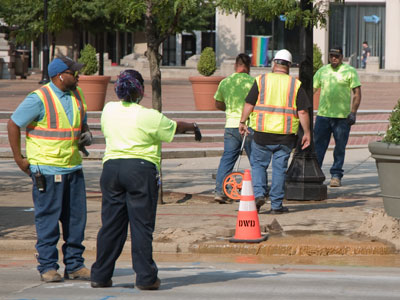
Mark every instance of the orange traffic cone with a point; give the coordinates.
(247, 225)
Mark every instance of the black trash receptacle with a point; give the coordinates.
(21, 63)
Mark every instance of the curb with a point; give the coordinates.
(275, 246)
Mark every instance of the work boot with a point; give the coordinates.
(221, 199)
(335, 182)
(96, 284)
(260, 201)
(152, 287)
(81, 274)
(279, 211)
(51, 276)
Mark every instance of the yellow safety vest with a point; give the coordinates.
(276, 109)
(53, 141)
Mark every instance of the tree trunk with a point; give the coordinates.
(53, 45)
(155, 74)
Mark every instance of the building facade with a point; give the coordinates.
(349, 25)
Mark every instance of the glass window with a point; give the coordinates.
(169, 51)
(279, 37)
(351, 25)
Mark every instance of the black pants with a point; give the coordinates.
(130, 193)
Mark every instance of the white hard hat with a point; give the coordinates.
(283, 55)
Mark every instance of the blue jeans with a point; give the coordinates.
(63, 201)
(232, 144)
(260, 158)
(323, 130)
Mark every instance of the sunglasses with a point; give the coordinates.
(334, 55)
(75, 74)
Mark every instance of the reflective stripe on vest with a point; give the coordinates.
(53, 131)
(52, 135)
(53, 140)
(265, 107)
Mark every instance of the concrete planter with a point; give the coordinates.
(94, 89)
(204, 89)
(387, 157)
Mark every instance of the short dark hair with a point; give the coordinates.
(243, 59)
(365, 42)
(129, 86)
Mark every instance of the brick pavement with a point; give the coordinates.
(177, 96)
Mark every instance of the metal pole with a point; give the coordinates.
(45, 40)
(304, 178)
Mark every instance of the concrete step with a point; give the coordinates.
(370, 127)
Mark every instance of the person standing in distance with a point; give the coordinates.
(280, 104)
(129, 181)
(56, 128)
(230, 98)
(336, 113)
(366, 52)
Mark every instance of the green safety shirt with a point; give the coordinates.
(133, 131)
(233, 91)
(336, 86)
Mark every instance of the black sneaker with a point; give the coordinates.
(260, 201)
(279, 211)
(95, 284)
(151, 287)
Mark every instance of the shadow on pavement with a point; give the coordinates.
(14, 217)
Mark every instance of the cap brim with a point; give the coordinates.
(76, 67)
(335, 52)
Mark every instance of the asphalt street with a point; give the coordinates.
(214, 280)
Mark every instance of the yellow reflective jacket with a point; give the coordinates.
(276, 109)
(53, 141)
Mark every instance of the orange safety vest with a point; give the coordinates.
(276, 109)
(53, 141)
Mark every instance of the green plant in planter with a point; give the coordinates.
(317, 58)
(88, 58)
(392, 135)
(207, 63)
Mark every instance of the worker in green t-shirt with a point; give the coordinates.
(129, 180)
(336, 111)
(230, 98)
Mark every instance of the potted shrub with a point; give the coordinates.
(94, 87)
(387, 157)
(205, 86)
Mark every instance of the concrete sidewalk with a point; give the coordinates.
(190, 222)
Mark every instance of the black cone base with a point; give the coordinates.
(304, 178)
(305, 191)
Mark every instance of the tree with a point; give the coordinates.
(163, 18)
(158, 19)
(25, 18)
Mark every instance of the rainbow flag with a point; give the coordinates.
(259, 51)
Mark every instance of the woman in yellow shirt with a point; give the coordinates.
(129, 180)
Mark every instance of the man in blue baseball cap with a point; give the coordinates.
(55, 119)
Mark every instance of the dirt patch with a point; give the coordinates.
(382, 227)
(168, 197)
(179, 236)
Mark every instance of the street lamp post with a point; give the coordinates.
(45, 73)
(304, 177)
